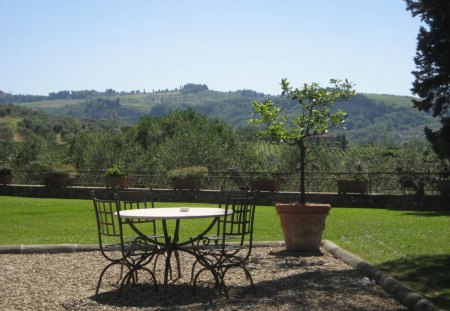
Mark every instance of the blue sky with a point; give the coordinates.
(52, 45)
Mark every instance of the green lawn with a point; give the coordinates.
(414, 246)
(52, 221)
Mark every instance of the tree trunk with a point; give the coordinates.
(302, 172)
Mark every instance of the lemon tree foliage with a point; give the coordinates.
(314, 117)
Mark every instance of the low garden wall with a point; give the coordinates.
(406, 202)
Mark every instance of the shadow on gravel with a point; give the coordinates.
(313, 288)
(144, 295)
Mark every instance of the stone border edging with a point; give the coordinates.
(405, 295)
(72, 248)
(47, 248)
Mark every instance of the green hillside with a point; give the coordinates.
(371, 117)
(393, 100)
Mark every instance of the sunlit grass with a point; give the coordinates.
(52, 221)
(413, 246)
(381, 234)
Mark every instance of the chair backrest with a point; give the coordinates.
(127, 200)
(134, 200)
(109, 229)
(107, 221)
(224, 195)
(239, 224)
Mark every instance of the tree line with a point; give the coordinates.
(36, 140)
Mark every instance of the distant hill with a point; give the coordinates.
(371, 117)
(36, 129)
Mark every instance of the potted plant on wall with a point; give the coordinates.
(303, 223)
(56, 177)
(116, 178)
(5, 176)
(353, 184)
(265, 184)
(187, 177)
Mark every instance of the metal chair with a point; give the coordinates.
(233, 247)
(130, 253)
(224, 194)
(142, 199)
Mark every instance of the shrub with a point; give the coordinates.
(115, 171)
(56, 177)
(191, 171)
(57, 172)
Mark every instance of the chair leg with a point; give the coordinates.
(153, 277)
(177, 258)
(249, 277)
(155, 262)
(126, 279)
(192, 270)
(213, 272)
(103, 272)
(223, 286)
(247, 274)
(132, 275)
(121, 273)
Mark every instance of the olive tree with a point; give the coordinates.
(314, 117)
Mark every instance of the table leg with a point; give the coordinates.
(171, 245)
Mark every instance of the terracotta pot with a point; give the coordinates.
(353, 186)
(265, 184)
(5, 180)
(117, 182)
(56, 181)
(302, 225)
(186, 183)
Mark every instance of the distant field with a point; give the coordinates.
(11, 122)
(144, 101)
(394, 100)
(54, 103)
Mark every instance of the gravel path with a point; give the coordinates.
(284, 281)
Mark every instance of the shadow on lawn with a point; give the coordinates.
(428, 213)
(429, 275)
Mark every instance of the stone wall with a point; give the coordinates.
(406, 202)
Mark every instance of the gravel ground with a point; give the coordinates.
(284, 281)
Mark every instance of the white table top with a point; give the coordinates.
(174, 212)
